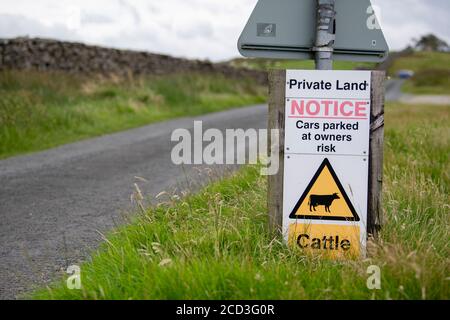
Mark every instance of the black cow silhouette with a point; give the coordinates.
(322, 200)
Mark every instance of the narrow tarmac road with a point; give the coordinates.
(394, 89)
(394, 93)
(55, 204)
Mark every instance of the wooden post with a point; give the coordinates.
(374, 209)
(277, 101)
(277, 97)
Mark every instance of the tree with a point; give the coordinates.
(430, 42)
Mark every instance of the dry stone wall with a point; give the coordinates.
(52, 55)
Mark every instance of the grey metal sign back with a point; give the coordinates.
(285, 29)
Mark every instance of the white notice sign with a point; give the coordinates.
(327, 130)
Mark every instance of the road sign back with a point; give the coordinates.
(324, 198)
(286, 30)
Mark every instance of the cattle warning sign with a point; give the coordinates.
(324, 198)
(325, 186)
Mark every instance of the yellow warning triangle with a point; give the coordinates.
(325, 198)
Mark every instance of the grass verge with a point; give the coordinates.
(43, 110)
(214, 245)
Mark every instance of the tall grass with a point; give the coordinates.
(43, 110)
(215, 245)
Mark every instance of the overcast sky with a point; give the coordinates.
(206, 29)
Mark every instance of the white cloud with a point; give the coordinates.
(206, 29)
(13, 25)
(403, 20)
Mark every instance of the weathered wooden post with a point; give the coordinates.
(277, 81)
(375, 210)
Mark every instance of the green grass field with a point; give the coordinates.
(432, 69)
(215, 244)
(432, 72)
(44, 110)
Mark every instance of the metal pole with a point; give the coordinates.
(325, 34)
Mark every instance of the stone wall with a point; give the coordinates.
(52, 55)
